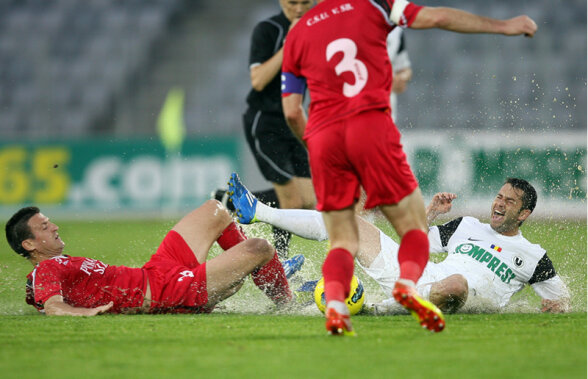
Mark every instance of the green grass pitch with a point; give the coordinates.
(245, 338)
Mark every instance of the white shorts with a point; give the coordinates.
(385, 269)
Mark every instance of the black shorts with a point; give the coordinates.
(279, 155)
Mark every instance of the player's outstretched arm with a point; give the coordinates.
(555, 296)
(440, 203)
(460, 21)
(55, 306)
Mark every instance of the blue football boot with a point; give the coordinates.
(244, 202)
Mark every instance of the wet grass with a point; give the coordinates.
(244, 339)
(292, 346)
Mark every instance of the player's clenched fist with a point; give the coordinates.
(521, 25)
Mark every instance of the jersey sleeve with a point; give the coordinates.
(30, 296)
(543, 271)
(435, 240)
(439, 235)
(46, 282)
(263, 44)
(401, 12)
(551, 289)
(292, 80)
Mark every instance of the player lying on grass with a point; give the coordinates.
(177, 279)
(486, 264)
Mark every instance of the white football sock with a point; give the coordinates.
(305, 223)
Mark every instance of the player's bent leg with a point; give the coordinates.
(202, 227)
(306, 190)
(408, 214)
(450, 294)
(369, 242)
(295, 194)
(409, 220)
(338, 268)
(222, 295)
(231, 267)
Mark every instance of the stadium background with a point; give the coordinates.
(83, 87)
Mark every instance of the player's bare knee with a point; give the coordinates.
(260, 248)
(213, 205)
(217, 212)
(457, 285)
(450, 294)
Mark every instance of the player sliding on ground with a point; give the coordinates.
(486, 264)
(177, 279)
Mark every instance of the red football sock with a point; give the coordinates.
(413, 254)
(271, 279)
(338, 272)
(231, 236)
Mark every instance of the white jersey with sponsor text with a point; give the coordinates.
(495, 266)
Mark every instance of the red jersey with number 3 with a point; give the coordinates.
(86, 282)
(339, 47)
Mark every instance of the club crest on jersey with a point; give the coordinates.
(63, 260)
(185, 274)
(518, 261)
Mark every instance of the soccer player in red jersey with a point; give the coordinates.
(338, 49)
(177, 278)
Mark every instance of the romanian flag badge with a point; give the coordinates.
(497, 248)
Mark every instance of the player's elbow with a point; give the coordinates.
(291, 115)
(52, 310)
(257, 80)
(257, 85)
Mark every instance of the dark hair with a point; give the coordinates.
(18, 230)
(529, 193)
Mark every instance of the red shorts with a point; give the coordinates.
(176, 278)
(362, 150)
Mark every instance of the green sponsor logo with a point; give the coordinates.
(493, 263)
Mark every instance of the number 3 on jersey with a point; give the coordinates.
(348, 64)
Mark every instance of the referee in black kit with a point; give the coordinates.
(281, 158)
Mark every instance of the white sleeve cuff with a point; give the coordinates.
(551, 289)
(398, 11)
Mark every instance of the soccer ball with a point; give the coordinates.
(354, 301)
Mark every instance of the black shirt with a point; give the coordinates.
(268, 37)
